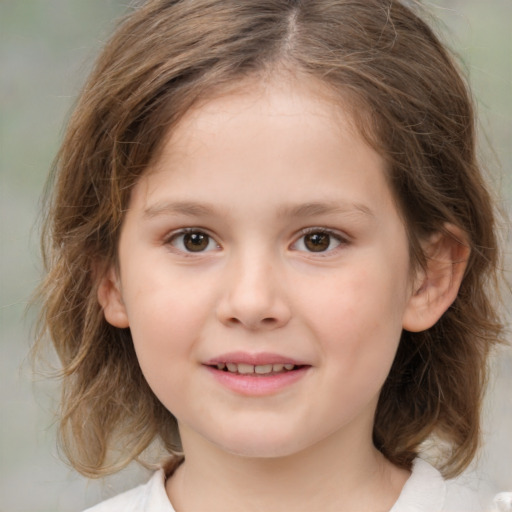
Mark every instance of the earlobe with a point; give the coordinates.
(111, 300)
(437, 285)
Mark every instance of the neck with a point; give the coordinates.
(341, 476)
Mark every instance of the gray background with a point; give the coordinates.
(46, 48)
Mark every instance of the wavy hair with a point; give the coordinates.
(409, 101)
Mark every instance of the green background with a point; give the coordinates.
(46, 49)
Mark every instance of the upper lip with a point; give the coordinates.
(261, 358)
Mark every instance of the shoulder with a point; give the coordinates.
(150, 497)
(460, 498)
(427, 491)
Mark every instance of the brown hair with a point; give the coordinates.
(412, 105)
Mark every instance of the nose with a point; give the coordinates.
(254, 295)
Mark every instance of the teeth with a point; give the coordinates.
(261, 369)
(232, 367)
(245, 368)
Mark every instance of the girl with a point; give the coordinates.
(270, 249)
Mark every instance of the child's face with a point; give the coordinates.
(266, 234)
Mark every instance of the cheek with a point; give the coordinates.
(165, 314)
(358, 317)
(165, 327)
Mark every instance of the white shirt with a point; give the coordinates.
(424, 491)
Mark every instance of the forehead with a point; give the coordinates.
(292, 107)
(272, 144)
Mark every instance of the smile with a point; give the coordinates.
(256, 374)
(256, 370)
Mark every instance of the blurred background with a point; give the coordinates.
(46, 50)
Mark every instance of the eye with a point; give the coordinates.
(318, 240)
(193, 241)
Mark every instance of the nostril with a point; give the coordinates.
(269, 322)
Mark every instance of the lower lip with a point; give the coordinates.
(260, 385)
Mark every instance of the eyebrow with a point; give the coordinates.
(311, 209)
(186, 208)
(320, 208)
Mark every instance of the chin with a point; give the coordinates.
(259, 451)
(259, 444)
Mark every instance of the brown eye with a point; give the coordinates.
(196, 242)
(317, 242)
(193, 241)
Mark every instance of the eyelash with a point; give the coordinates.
(189, 231)
(341, 241)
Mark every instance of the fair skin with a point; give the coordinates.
(293, 253)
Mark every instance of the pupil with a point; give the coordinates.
(317, 242)
(195, 242)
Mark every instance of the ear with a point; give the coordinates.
(111, 300)
(437, 285)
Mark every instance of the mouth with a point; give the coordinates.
(260, 370)
(259, 374)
